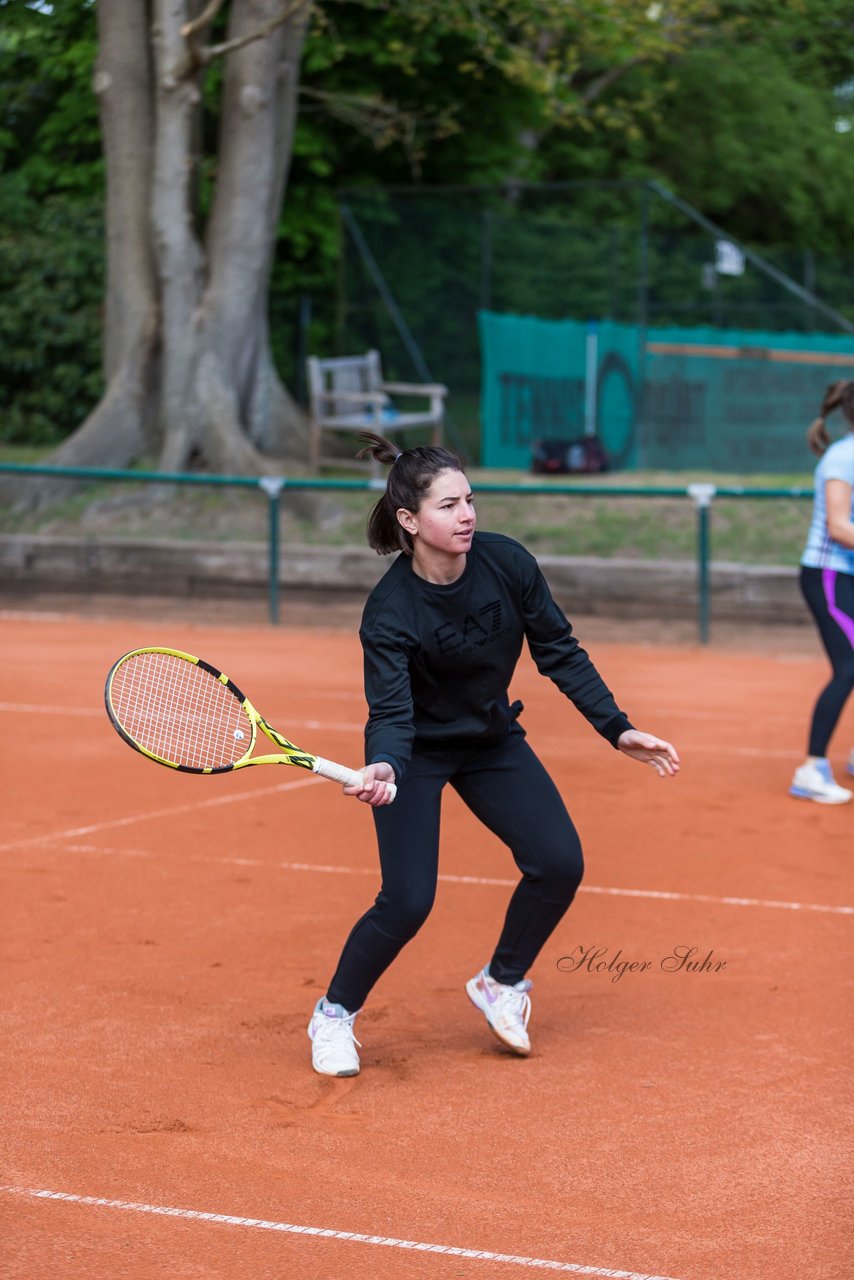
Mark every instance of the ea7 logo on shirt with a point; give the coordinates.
(474, 630)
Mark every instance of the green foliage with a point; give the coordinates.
(393, 99)
(51, 285)
(750, 124)
(49, 133)
(785, 179)
(733, 103)
(51, 234)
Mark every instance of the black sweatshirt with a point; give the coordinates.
(439, 659)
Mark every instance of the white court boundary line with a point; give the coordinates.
(97, 713)
(345, 695)
(552, 745)
(309, 781)
(328, 1233)
(661, 894)
(313, 780)
(727, 902)
(320, 868)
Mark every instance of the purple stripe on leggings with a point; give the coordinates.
(842, 620)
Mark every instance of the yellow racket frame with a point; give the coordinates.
(289, 753)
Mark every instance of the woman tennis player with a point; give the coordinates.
(442, 633)
(827, 582)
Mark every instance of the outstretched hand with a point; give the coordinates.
(649, 750)
(374, 790)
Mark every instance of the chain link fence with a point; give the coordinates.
(419, 266)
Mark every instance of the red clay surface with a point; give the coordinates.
(165, 938)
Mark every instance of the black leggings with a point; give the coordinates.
(830, 596)
(509, 790)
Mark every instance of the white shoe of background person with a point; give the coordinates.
(333, 1044)
(814, 781)
(507, 1009)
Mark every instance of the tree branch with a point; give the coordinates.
(203, 19)
(385, 123)
(605, 81)
(228, 46)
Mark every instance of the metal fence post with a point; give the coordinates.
(703, 495)
(273, 486)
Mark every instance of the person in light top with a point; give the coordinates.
(442, 633)
(827, 582)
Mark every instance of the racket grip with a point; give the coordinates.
(340, 773)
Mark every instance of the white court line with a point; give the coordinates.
(552, 745)
(235, 797)
(40, 709)
(327, 694)
(32, 708)
(662, 895)
(585, 888)
(329, 1233)
(652, 709)
(726, 902)
(115, 823)
(52, 709)
(23, 615)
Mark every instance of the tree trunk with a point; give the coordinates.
(258, 118)
(119, 427)
(190, 377)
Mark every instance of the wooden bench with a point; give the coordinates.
(348, 394)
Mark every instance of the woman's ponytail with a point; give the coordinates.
(380, 449)
(818, 437)
(384, 531)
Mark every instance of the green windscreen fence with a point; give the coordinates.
(657, 398)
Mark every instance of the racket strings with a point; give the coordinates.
(179, 712)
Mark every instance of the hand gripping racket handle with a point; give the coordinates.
(340, 773)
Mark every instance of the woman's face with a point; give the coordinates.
(446, 519)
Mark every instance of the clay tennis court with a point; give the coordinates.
(165, 938)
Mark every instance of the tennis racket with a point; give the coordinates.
(182, 712)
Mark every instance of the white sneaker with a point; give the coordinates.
(507, 1009)
(815, 782)
(333, 1044)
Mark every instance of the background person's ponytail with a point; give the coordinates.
(838, 395)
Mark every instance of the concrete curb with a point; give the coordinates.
(38, 564)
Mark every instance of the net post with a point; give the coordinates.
(702, 495)
(273, 486)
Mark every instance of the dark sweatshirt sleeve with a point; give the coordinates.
(390, 728)
(559, 656)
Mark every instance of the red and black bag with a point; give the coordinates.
(584, 456)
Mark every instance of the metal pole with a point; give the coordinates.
(412, 347)
(756, 259)
(394, 311)
(273, 486)
(486, 261)
(703, 495)
(643, 265)
(642, 326)
(591, 370)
